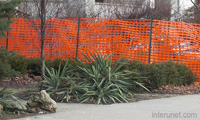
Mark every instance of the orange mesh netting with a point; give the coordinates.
(127, 38)
(177, 41)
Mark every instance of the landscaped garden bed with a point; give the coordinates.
(24, 91)
(98, 80)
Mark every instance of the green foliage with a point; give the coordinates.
(55, 63)
(5, 67)
(55, 81)
(19, 63)
(97, 79)
(156, 75)
(6, 71)
(104, 81)
(6, 55)
(6, 11)
(8, 101)
(160, 74)
(138, 67)
(34, 66)
(61, 84)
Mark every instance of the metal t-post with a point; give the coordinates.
(149, 57)
(7, 33)
(7, 40)
(77, 38)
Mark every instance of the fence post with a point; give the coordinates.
(7, 40)
(7, 37)
(149, 56)
(77, 38)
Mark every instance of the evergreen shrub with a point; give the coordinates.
(160, 74)
(5, 68)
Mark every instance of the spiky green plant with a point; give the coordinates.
(8, 101)
(61, 83)
(105, 81)
(97, 79)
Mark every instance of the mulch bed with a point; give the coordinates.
(183, 89)
(26, 81)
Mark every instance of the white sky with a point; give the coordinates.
(186, 3)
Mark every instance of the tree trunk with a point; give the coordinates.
(43, 20)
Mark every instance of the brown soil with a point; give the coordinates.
(183, 89)
(26, 81)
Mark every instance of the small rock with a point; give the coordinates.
(32, 104)
(47, 103)
(42, 101)
(41, 112)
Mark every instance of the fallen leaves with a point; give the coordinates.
(183, 89)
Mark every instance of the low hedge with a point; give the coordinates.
(160, 74)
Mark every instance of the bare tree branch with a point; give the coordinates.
(195, 5)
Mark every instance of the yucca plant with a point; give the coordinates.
(9, 101)
(106, 81)
(61, 84)
(55, 82)
(98, 79)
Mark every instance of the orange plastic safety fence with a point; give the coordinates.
(60, 38)
(127, 38)
(177, 41)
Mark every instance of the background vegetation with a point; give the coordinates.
(98, 79)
